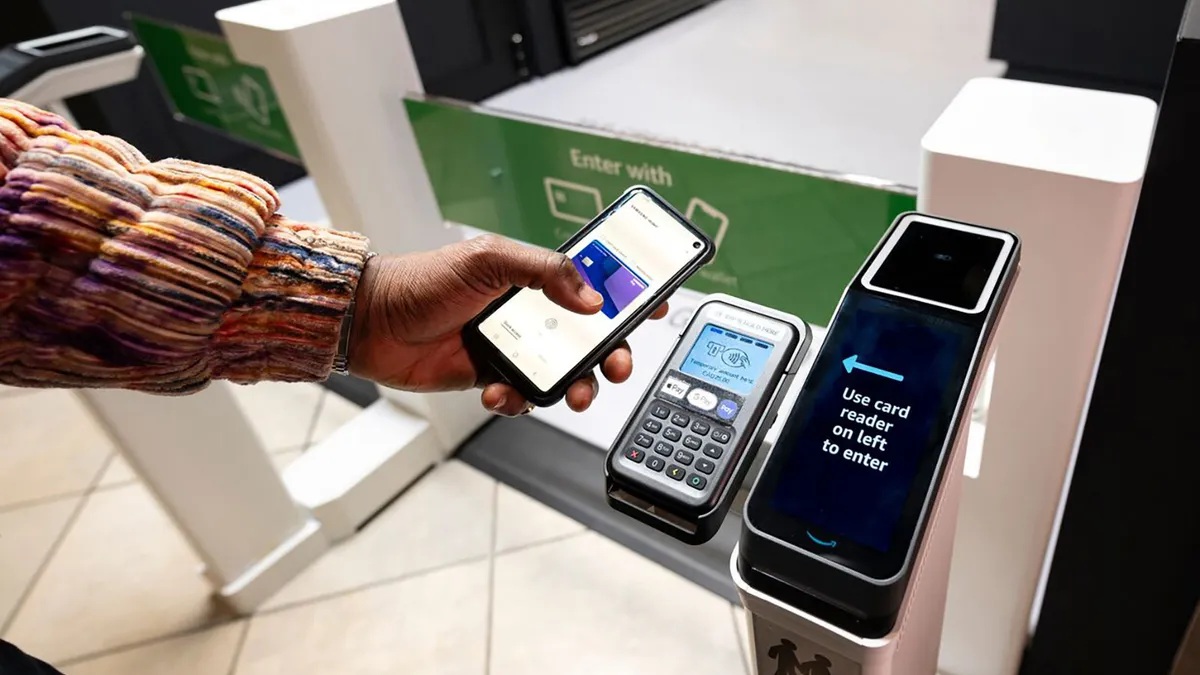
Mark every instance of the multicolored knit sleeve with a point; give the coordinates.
(158, 276)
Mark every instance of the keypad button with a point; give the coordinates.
(635, 455)
(727, 410)
(675, 387)
(704, 400)
(713, 451)
(653, 426)
(684, 457)
(697, 481)
(721, 435)
(672, 434)
(675, 472)
(664, 449)
(700, 427)
(660, 411)
(691, 443)
(644, 440)
(655, 463)
(680, 420)
(702, 465)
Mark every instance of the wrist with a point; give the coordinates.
(355, 324)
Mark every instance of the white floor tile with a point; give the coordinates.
(118, 473)
(209, 652)
(26, 535)
(522, 520)
(281, 413)
(49, 445)
(334, 412)
(122, 575)
(445, 518)
(282, 459)
(433, 624)
(586, 605)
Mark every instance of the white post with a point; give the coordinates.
(1062, 168)
(200, 458)
(341, 70)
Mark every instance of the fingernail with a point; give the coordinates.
(590, 296)
(495, 407)
(595, 388)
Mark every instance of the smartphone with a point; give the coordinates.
(838, 514)
(634, 254)
(681, 458)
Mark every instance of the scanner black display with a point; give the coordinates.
(834, 524)
(875, 410)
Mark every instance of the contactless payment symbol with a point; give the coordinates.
(730, 356)
(736, 358)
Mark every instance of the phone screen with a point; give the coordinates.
(627, 257)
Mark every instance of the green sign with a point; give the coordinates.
(207, 85)
(786, 237)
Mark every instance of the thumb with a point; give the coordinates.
(500, 263)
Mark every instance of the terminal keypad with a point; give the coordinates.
(677, 437)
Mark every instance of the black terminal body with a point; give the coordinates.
(678, 463)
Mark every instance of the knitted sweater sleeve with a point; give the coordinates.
(158, 276)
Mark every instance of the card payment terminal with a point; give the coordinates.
(679, 461)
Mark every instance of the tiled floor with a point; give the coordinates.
(458, 575)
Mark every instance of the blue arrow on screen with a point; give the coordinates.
(852, 364)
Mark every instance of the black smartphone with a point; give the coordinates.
(836, 518)
(634, 254)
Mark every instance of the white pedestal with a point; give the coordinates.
(341, 70)
(776, 628)
(1061, 168)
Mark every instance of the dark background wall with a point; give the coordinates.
(464, 49)
(1120, 45)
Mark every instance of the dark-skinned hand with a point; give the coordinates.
(407, 331)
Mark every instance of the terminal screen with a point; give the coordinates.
(873, 415)
(727, 359)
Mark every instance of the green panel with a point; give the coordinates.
(207, 85)
(787, 238)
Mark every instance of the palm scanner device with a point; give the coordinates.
(845, 549)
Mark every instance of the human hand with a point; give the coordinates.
(407, 329)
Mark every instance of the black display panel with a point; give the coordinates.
(865, 440)
(939, 264)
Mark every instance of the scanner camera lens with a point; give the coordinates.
(695, 244)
